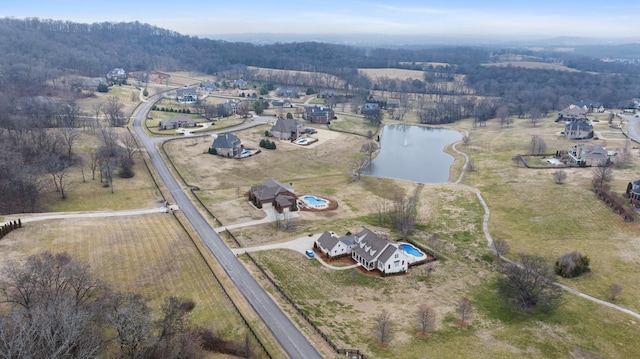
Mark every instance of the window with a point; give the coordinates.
(396, 256)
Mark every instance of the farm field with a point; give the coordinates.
(148, 254)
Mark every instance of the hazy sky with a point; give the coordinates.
(611, 18)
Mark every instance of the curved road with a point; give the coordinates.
(286, 333)
(632, 127)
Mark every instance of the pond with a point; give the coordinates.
(414, 153)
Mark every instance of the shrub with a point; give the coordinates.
(269, 145)
(572, 264)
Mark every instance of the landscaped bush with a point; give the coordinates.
(572, 264)
(269, 145)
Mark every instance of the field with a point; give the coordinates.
(155, 255)
(528, 209)
(533, 65)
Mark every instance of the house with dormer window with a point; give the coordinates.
(375, 253)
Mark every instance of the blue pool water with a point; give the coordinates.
(245, 153)
(411, 250)
(303, 141)
(314, 201)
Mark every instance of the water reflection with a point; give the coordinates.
(414, 153)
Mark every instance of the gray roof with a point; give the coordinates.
(225, 140)
(349, 240)
(284, 200)
(327, 241)
(286, 125)
(270, 189)
(178, 119)
(186, 91)
(578, 125)
(387, 253)
(369, 245)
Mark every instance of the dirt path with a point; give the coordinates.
(485, 229)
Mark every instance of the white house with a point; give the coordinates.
(186, 95)
(334, 246)
(373, 252)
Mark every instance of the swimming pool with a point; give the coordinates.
(410, 249)
(306, 141)
(314, 202)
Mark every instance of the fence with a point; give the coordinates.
(354, 352)
(246, 323)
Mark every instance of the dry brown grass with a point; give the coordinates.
(400, 74)
(148, 254)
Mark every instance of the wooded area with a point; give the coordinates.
(44, 62)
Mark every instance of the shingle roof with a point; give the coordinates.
(388, 252)
(178, 119)
(225, 140)
(327, 241)
(578, 125)
(369, 245)
(269, 189)
(286, 125)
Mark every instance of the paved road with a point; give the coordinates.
(632, 127)
(294, 343)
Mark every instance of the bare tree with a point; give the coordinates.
(559, 176)
(466, 139)
(113, 111)
(381, 208)
(55, 312)
(426, 319)
(624, 157)
(465, 310)
(283, 220)
(500, 247)
(614, 290)
(602, 175)
(403, 214)
(358, 166)
(534, 115)
(61, 177)
(129, 146)
(69, 136)
(369, 148)
(538, 146)
(93, 163)
(129, 315)
(503, 114)
(383, 327)
(527, 283)
(429, 268)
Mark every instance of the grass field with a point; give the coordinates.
(528, 209)
(148, 254)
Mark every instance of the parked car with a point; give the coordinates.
(309, 253)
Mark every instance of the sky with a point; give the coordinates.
(508, 18)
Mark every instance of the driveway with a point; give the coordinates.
(299, 245)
